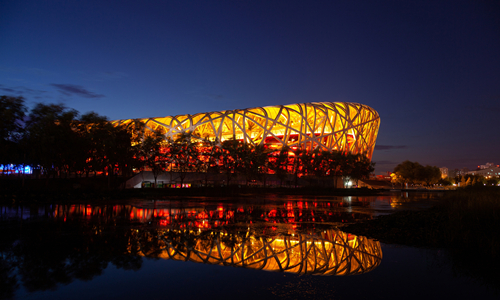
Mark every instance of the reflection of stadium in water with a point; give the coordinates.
(328, 252)
(294, 237)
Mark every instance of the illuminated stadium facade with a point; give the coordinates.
(332, 126)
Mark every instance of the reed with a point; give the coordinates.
(466, 223)
(472, 219)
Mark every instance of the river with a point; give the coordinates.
(272, 247)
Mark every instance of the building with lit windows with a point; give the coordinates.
(491, 171)
(444, 172)
(332, 126)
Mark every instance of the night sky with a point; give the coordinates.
(430, 68)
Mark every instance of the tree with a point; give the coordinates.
(229, 163)
(51, 128)
(279, 163)
(363, 167)
(304, 159)
(12, 112)
(318, 166)
(347, 166)
(243, 158)
(397, 179)
(184, 155)
(318, 163)
(93, 128)
(209, 157)
(429, 175)
(299, 163)
(151, 154)
(257, 163)
(413, 172)
(407, 171)
(480, 180)
(109, 147)
(335, 162)
(445, 181)
(136, 132)
(463, 182)
(492, 181)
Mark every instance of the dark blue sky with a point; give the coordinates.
(430, 68)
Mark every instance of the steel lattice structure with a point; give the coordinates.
(334, 253)
(339, 126)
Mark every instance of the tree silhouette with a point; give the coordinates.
(184, 155)
(152, 154)
(413, 172)
(50, 128)
(229, 163)
(279, 162)
(12, 112)
(210, 156)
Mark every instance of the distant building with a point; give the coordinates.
(382, 176)
(485, 166)
(453, 173)
(444, 172)
(487, 172)
(464, 171)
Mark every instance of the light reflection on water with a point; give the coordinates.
(362, 206)
(56, 247)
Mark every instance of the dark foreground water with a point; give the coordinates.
(207, 248)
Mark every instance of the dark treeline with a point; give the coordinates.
(474, 180)
(58, 142)
(413, 173)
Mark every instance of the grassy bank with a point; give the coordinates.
(466, 223)
(464, 218)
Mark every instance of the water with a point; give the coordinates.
(270, 248)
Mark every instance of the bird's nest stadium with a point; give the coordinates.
(332, 126)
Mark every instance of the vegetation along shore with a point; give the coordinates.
(466, 223)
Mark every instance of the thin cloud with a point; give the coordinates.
(75, 90)
(22, 90)
(8, 90)
(389, 147)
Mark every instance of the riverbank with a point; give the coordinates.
(466, 223)
(17, 196)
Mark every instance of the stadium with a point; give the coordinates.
(332, 126)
